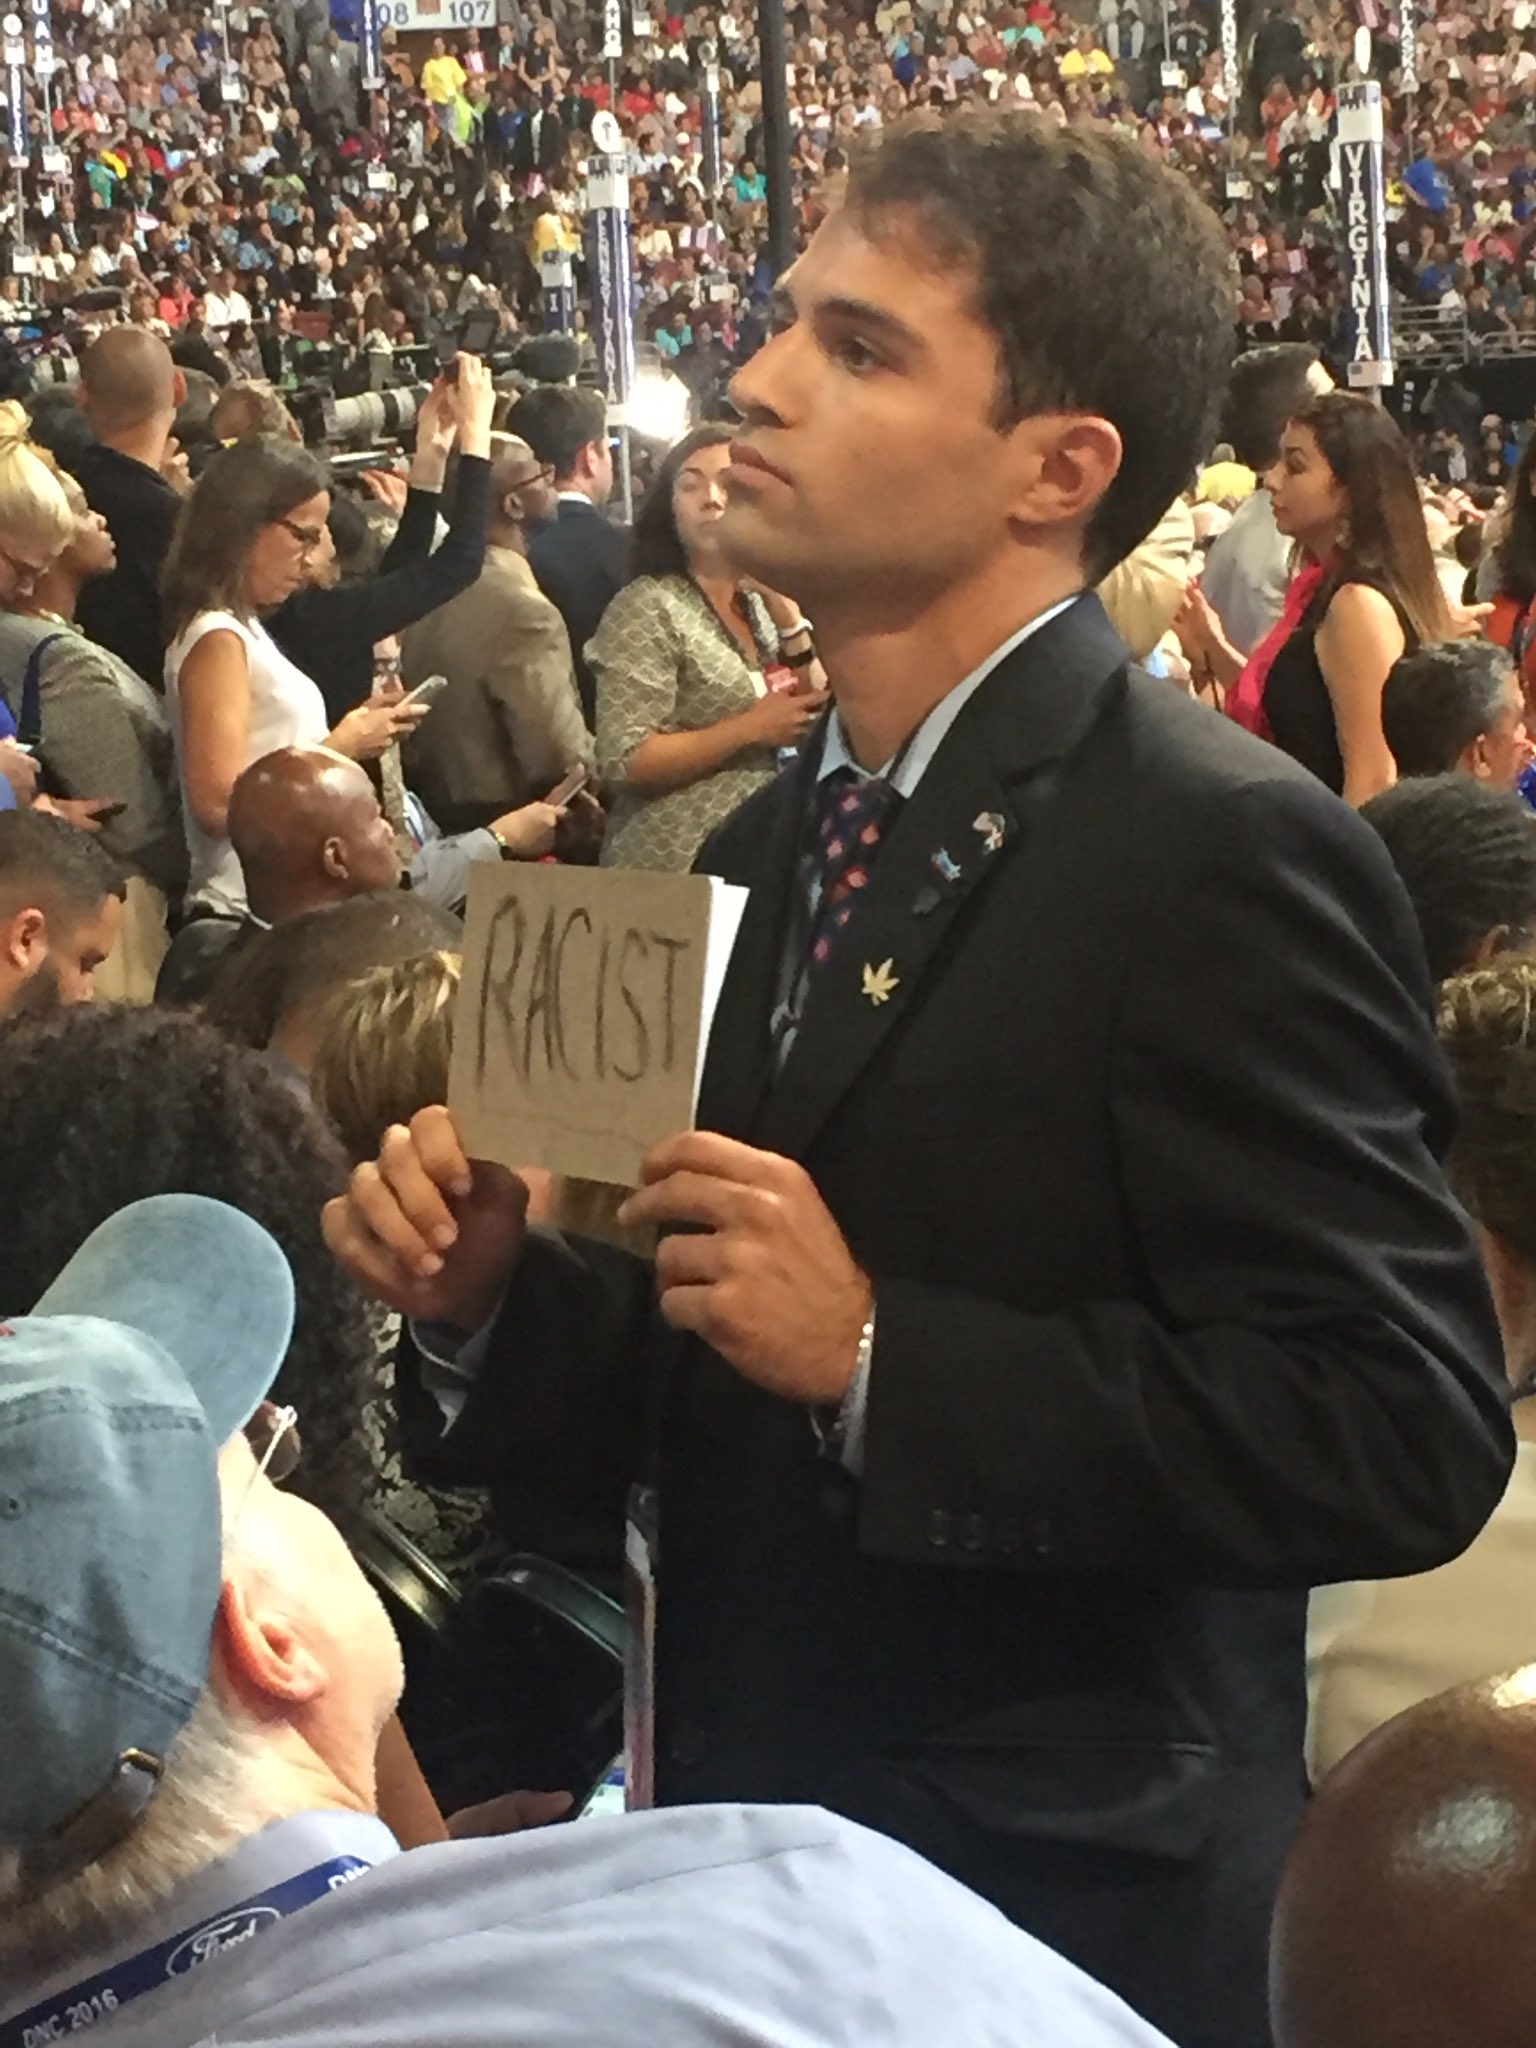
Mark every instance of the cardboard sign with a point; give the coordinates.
(584, 1012)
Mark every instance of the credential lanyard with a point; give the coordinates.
(97, 1998)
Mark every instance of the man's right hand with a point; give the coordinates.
(432, 1233)
(474, 404)
(529, 832)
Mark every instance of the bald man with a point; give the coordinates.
(510, 723)
(129, 392)
(308, 830)
(1408, 1906)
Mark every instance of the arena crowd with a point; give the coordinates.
(1029, 1497)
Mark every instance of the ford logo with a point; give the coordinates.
(215, 1936)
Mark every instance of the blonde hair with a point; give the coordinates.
(385, 1048)
(1488, 1029)
(32, 500)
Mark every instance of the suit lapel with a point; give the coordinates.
(738, 1068)
(966, 821)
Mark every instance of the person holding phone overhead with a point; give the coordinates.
(687, 727)
(329, 626)
(247, 535)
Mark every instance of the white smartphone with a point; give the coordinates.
(577, 779)
(428, 692)
(606, 1799)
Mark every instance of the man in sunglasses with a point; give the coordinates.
(509, 724)
(196, 1676)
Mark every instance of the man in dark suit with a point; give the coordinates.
(539, 144)
(580, 558)
(1067, 1278)
(129, 391)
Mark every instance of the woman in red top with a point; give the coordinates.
(1512, 622)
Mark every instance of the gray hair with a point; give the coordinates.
(209, 1800)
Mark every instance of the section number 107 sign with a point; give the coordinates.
(438, 16)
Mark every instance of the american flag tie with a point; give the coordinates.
(853, 814)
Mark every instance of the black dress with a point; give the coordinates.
(1296, 700)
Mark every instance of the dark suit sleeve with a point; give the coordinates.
(556, 1412)
(376, 606)
(413, 535)
(1308, 1384)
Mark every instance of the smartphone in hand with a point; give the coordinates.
(426, 693)
(577, 779)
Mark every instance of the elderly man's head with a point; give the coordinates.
(1406, 1909)
(214, 1659)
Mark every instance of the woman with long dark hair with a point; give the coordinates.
(244, 543)
(1512, 622)
(687, 728)
(1365, 593)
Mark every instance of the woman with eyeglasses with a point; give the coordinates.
(245, 542)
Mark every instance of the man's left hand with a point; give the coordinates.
(768, 1281)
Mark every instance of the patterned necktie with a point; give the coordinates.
(854, 814)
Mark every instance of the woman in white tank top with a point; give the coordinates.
(243, 545)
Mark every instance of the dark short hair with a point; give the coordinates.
(558, 421)
(658, 546)
(1268, 385)
(1439, 700)
(1466, 854)
(1103, 277)
(54, 867)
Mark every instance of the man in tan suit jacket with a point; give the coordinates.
(509, 724)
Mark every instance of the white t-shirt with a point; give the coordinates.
(287, 710)
(223, 312)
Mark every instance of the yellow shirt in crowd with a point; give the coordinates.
(442, 79)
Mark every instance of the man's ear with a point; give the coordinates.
(333, 858)
(261, 1654)
(179, 387)
(1473, 759)
(24, 941)
(1064, 463)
